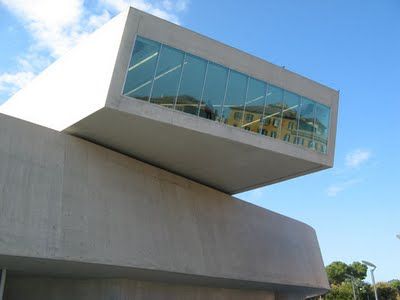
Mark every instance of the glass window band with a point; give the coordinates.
(182, 81)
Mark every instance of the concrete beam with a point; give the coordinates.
(25, 287)
(67, 200)
(3, 275)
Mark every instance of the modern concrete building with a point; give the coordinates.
(118, 164)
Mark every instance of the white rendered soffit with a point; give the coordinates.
(74, 86)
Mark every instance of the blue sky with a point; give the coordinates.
(353, 46)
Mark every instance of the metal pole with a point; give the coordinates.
(354, 290)
(351, 277)
(2, 282)
(373, 282)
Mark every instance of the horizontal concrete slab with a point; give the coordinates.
(25, 270)
(210, 153)
(69, 202)
(38, 288)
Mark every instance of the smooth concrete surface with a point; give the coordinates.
(58, 268)
(33, 288)
(3, 275)
(82, 90)
(210, 153)
(66, 199)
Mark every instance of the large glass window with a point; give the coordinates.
(165, 86)
(234, 98)
(254, 105)
(178, 80)
(322, 113)
(273, 111)
(191, 87)
(141, 69)
(214, 92)
(306, 120)
(290, 112)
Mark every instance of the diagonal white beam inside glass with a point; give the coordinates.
(168, 71)
(143, 61)
(138, 88)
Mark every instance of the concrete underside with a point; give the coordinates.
(224, 158)
(39, 288)
(74, 209)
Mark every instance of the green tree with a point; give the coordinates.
(358, 270)
(341, 284)
(342, 291)
(386, 291)
(395, 283)
(336, 272)
(364, 290)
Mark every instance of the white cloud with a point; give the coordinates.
(175, 5)
(13, 82)
(168, 5)
(96, 21)
(335, 189)
(167, 9)
(181, 5)
(33, 61)
(353, 160)
(54, 25)
(357, 157)
(58, 25)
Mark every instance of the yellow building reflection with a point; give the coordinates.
(282, 122)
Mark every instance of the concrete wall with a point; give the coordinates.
(33, 288)
(23, 288)
(65, 199)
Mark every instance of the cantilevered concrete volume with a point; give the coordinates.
(118, 162)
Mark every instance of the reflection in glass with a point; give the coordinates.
(322, 113)
(188, 83)
(234, 99)
(167, 77)
(214, 92)
(141, 69)
(189, 95)
(254, 105)
(306, 122)
(271, 122)
(286, 137)
(290, 112)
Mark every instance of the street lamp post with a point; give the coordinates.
(352, 285)
(373, 267)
